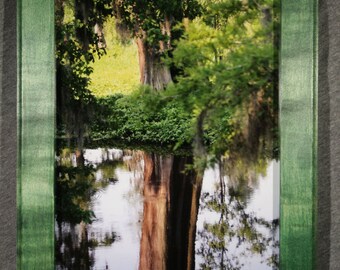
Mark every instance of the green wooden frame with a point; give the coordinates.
(298, 130)
(36, 111)
(298, 133)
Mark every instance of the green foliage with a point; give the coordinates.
(74, 99)
(221, 53)
(131, 119)
(74, 188)
(227, 71)
(221, 67)
(73, 62)
(236, 229)
(146, 19)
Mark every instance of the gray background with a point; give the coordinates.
(328, 235)
(8, 134)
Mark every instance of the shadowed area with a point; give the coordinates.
(8, 133)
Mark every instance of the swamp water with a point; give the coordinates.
(124, 209)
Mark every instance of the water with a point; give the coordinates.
(147, 216)
(119, 208)
(257, 211)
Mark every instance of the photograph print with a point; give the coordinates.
(167, 150)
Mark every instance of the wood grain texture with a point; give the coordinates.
(298, 122)
(8, 134)
(36, 134)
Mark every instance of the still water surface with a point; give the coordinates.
(125, 209)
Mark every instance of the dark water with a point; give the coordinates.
(133, 210)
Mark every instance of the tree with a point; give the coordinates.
(76, 45)
(89, 17)
(152, 23)
(235, 234)
(228, 71)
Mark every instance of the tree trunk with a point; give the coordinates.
(199, 147)
(185, 193)
(196, 194)
(153, 248)
(82, 11)
(153, 71)
(98, 29)
(83, 260)
(80, 159)
(171, 201)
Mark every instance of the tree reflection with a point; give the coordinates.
(171, 190)
(76, 185)
(171, 198)
(237, 234)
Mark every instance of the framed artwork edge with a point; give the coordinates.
(36, 130)
(36, 134)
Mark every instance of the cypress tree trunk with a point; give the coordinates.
(152, 71)
(82, 13)
(98, 29)
(171, 202)
(185, 191)
(153, 248)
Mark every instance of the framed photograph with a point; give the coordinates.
(148, 134)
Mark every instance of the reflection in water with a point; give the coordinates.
(237, 230)
(131, 209)
(78, 183)
(169, 214)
